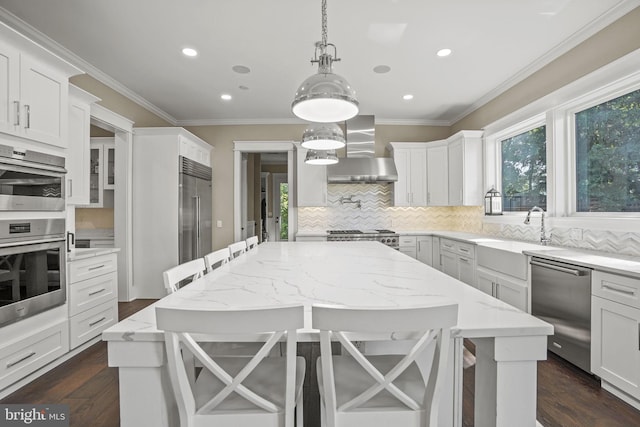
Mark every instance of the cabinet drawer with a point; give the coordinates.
(92, 322)
(466, 249)
(408, 241)
(91, 267)
(92, 292)
(622, 289)
(21, 358)
(448, 245)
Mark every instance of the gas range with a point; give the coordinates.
(388, 237)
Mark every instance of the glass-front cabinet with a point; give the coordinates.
(102, 155)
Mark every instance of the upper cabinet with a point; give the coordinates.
(311, 181)
(437, 174)
(100, 194)
(78, 163)
(34, 88)
(411, 162)
(465, 169)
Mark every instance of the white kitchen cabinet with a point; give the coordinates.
(407, 245)
(435, 256)
(411, 163)
(437, 175)
(457, 259)
(465, 169)
(311, 181)
(93, 297)
(507, 289)
(615, 334)
(77, 160)
(100, 195)
(34, 98)
(424, 249)
(19, 358)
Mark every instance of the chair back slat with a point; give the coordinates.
(252, 242)
(216, 259)
(237, 248)
(189, 270)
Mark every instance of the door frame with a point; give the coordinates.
(240, 147)
(276, 180)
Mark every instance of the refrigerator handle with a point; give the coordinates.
(196, 241)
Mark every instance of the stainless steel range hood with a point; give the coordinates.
(360, 165)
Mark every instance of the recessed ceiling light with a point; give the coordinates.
(242, 87)
(381, 69)
(444, 52)
(225, 97)
(187, 51)
(241, 69)
(407, 97)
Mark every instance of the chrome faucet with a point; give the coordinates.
(349, 199)
(544, 240)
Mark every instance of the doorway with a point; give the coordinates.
(248, 202)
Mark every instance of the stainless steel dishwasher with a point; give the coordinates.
(561, 295)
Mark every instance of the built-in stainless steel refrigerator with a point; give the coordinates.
(195, 220)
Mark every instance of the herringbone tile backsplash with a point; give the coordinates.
(376, 212)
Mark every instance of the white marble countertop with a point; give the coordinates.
(94, 233)
(348, 273)
(618, 264)
(82, 253)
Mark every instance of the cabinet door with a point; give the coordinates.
(456, 173)
(467, 270)
(449, 263)
(512, 293)
(9, 88)
(425, 249)
(96, 182)
(486, 282)
(418, 177)
(44, 96)
(109, 163)
(78, 154)
(401, 196)
(312, 182)
(437, 176)
(615, 346)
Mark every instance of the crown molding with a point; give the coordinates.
(613, 14)
(232, 122)
(413, 122)
(57, 49)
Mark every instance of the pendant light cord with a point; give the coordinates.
(324, 26)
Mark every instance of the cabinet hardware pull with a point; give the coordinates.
(97, 321)
(465, 260)
(27, 110)
(555, 344)
(22, 359)
(96, 267)
(465, 250)
(97, 292)
(16, 122)
(638, 336)
(497, 293)
(619, 289)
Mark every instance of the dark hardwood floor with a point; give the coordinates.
(567, 397)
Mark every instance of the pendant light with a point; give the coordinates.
(321, 157)
(325, 97)
(323, 136)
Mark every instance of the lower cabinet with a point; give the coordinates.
(615, 334)
(22, 357)
(424, 249)
(93, 297)
(510, 290)
(407, 246)
(457, 259)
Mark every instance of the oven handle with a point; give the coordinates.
(573, 271)
(20, 165)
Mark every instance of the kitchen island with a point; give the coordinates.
(508, 341)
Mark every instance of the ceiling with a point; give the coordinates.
(135, 47)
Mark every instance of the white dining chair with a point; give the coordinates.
(383, 389)
(193, 270)
(238, 248)
(235, 391)
(252, 242)
(216, 259)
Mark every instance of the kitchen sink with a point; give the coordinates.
(506, 256)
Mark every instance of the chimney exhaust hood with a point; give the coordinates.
(360, 165)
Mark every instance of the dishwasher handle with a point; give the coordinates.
(573, 271)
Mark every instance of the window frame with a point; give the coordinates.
(557, 111)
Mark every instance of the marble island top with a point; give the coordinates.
(355, 274)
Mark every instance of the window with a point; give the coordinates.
(607, 139)
(524, 170)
